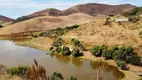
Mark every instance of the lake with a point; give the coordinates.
(13, 55)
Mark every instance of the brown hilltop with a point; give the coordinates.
(46, 12)
(4, 19)
(94, 8)
(89, 8)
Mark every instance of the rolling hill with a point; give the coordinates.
(4, 19)
(92, 9)
(46, 23)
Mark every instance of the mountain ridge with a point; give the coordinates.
(89, 8)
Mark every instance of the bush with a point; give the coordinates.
(59, 31)
(58, 42)
(135, 60)
(72, 27)
(118, 55)
(19, 71)
(76, 53)
(107, 22)
(107, 54)
(51, 48)
(73, 78)
(1, 26)
(122, 64)
(76, 42)
(134, 19)
(56, 76)
(129, 50)
(65, 51)
(58, 49)
(98, 50)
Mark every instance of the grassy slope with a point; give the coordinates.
(97, 33)
(46, 22)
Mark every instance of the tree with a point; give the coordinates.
(122, 64)
(76, 52)
(65, 51)
(108, 53)
(135, 60)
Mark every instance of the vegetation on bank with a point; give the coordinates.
(54, 33)
(58, 46)
(121, 55)
(38, 72)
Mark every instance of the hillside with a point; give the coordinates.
(46, 12)
(92, 9)
(4, 19)
(46, 22)
(95, 32)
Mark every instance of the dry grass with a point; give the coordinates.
(37, 72)
(47, 22)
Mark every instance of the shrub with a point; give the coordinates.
(135, 60)
(1, 26)
(58, 49)
(37, 72)
(58, 42)
(59, 31)
(107, 22)
(76, 53)
(122, 64)
(97, 50)
(42, 34)
(134, 19)
(19, 71)
(108, 53)
(119, 55)
(65, 51)
(71, 27)
(56, 76)
(51, 48)
(129, 50)
(76, 42)
(73, 78)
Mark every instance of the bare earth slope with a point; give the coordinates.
(46, 22)
(5, 19)
(94, 8)
(90, 9)
(96, 32)
(46, 12)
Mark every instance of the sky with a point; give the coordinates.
(17, 8)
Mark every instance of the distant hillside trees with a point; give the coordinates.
(134, 14)
(23, 18)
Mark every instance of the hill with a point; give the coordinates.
(46, 22)
(116, 33)
(46, 12)
(4, 19)
(92, 9)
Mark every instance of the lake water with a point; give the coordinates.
(12, 55)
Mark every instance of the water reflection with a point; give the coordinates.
(82, 64)
(77, 62)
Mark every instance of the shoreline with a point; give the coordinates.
(44, 43)
(129, 75)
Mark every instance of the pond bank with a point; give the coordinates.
(45, 43)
